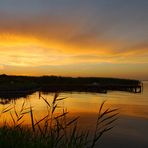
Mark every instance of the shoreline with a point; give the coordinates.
(26, 85)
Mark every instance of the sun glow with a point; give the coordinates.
(29, 50)
(34, 55)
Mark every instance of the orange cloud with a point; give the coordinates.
(22, 50)
(1, 67)
(65, 35)
(37, 41)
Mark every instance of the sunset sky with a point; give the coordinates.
(104, 38)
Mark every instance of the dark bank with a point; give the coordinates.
(28, 84)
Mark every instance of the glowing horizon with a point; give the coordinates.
(52, 38)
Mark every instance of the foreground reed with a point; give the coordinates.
(54, 130)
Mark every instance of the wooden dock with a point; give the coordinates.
(93, 88)
(126, 88)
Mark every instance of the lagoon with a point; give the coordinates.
(131, 129)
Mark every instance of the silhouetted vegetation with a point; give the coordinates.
(54, 130)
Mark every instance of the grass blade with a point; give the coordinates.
(32, 119)
(46, 101)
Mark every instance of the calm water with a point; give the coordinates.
(132, 126)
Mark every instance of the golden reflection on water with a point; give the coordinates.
(85, 105)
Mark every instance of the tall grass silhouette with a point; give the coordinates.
(54, 130)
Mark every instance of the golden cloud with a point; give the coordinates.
(39, 41)
(1, 67)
